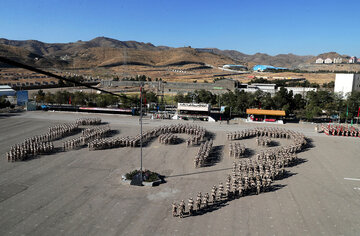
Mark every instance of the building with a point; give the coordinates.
(319, 61)
(337, 60)
(300, 90)
(6, 90)
(193, 111)
(235, 67)
(328, 61)
(252, 88)
(353, 60)
(265, 116)
(347, 83)
(218, 87)
(262, 68)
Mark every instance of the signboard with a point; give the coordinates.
(193, 107)
(22, 97)
(31, 106)
(222, 109)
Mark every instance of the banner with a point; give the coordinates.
(22, 97)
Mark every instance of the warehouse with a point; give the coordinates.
(6, 90)
(262, 68)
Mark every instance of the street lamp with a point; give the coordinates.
(141, 133)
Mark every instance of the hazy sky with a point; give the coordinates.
(304, 27)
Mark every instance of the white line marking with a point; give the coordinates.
(356, 188)
(352, 179)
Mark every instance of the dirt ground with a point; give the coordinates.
(80, 192)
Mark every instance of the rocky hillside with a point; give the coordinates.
(107, 52)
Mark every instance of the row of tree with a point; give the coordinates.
(93, 99)
(314, 105)
(322, 103)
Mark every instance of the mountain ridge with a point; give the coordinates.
(63, 53)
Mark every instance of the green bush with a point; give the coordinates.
(148, 176)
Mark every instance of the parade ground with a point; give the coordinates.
(80, 192)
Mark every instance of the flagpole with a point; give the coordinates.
(141, 133)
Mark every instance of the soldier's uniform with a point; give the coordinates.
(213, 193)
(182, 209)
(191, 205)
(174, 209)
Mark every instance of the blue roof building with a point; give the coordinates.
(262, 68)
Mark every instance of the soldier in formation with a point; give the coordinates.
(236, 150)
(86, 137)
(88, 121)
(163, 131)
(253, 176)
(29, 149)
(263, 141)
(168, 138)
(203, 155)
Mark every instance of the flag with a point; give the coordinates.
(358, 112)
(70, 100)
(347, 110)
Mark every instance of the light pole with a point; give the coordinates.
(141, 134)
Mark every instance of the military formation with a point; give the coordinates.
(42, 144)
(168, 138)
(339, 130)
(29, 149)
(263, 141)
(236, 150)
(267, 131)
(61, 131)
(203, 155)
(88, 121)
(198, 135)
(249, 176)
(86, 137)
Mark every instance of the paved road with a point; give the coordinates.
(80, 192)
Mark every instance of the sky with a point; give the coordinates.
(302, 27)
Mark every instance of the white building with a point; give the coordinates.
(353, 60)
(319, 61)
(252, 88)
(338, 60)
(193, 111)
(300, 90)
(328, 61)
(347, 83)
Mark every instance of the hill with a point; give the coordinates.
(281, 60)
(108, 52)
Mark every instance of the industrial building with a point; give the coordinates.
(235, 67)
(347, 83)
(6, 90)
(262, 68)
(193, 111)
(218, 87)
(252, 88)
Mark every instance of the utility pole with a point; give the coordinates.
(141, 133)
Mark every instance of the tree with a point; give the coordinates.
(179, 97)
(40, 96)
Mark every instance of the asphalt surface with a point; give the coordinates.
(80, 192)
